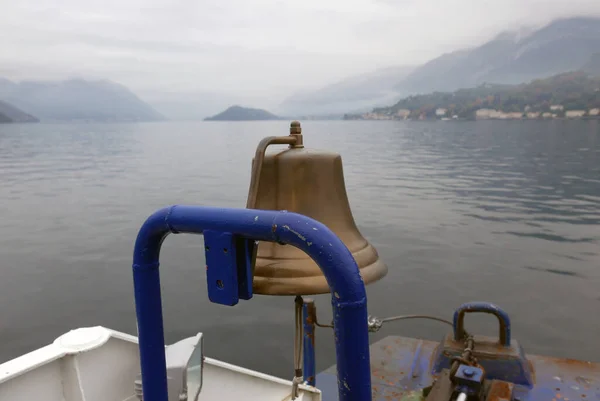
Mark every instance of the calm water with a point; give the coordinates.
(507, 212)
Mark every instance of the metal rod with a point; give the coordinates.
(319, 242)
(298, 337)
(308, 315)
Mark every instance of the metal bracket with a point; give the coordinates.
(228, 267)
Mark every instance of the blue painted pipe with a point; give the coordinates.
(308, 355)
(349, 299)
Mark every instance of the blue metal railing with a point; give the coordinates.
(315, 239)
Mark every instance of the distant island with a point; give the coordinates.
(11, 114)
(569, 95)
(238, 113)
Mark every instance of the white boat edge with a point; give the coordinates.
(100, 364)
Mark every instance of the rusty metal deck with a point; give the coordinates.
(401, 367)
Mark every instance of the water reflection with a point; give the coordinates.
(506, 212)
(36, 153)
(529, 173)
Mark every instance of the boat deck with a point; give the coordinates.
(401, 367)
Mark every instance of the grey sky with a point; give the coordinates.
(259, 47)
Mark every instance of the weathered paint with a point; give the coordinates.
(499, 362)
(336, 262)
(412, 396)
(500, 391)
(402, 366)
(309, 362)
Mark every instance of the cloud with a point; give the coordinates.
(262, 47)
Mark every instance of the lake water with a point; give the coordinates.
(506, 212)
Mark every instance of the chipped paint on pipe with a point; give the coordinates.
(314, 238)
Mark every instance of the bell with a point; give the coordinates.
(309, 182)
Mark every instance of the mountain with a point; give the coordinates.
(593, 65)
(77, 99)
(355, 93)
(555, 95)
(510, 58)
(238, 113)
(11, 114)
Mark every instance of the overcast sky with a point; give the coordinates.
(259, 47)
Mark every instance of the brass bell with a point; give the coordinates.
(309, 182)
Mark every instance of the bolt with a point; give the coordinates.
(295, 127)
(469, 372)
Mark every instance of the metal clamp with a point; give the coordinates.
(485, 307)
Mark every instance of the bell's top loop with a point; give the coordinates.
(294, 140)
(309, 182)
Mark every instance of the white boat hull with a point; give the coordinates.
(99, 364)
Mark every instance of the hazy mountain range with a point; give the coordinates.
(355, 94)
(11, 114)
(510, 58)
(77, 99)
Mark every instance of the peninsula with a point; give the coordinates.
(568, 95)
(238, 113)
